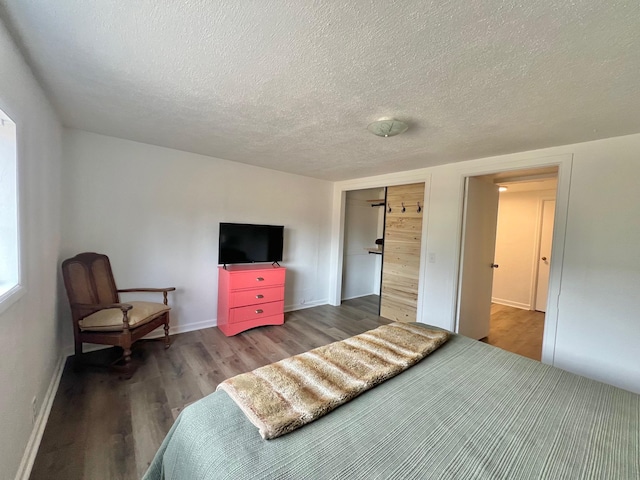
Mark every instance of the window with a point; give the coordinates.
(9, 234)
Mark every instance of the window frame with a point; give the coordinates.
(13, 294)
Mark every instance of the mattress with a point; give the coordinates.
(468, 411)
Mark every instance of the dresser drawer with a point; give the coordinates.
(243, 314)
(257, 278)
(240, 298)
(250, 296)
(237, 327)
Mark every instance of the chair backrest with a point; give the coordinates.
(88, 279)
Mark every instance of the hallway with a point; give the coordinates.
(516, 330)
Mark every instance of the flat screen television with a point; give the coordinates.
(247, 243)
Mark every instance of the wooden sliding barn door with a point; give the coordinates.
(401, 252)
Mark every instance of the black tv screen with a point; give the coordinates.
(246, 243)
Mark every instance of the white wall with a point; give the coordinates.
(361, 272)
(597, 331)
(28, 330)
(517, 239)
(156, 213)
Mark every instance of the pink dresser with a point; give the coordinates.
(250, 296)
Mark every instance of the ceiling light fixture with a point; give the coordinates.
(502, 189)
(387, 127)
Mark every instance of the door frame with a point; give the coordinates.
(538, 245)
(564, 163)
(340, 190)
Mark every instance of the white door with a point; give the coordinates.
(478, 248)
(544, 255)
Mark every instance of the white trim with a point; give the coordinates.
(20, 205)
(422, 273)
(340, 190)
(462, 229)
(509, 303)
(158, 333)
(535, 271)
(536, 253)
(26, 465)
(19, 288)
(381, 181)
(316, 303)
(359, 296)
(457, 264)
(498, 164)
(24, 471)
(11, 296)
(336, 257)
(557, 260)
(181, 328)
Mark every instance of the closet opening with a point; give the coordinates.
(382, 249)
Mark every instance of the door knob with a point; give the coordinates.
(544, 259)
(494, 265)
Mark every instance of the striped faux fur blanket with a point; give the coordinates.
(288, 394)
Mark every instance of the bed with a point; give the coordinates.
(469, 410)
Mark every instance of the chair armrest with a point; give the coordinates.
(96, 307)
(125, 307)
(169, 289)
(163, 290)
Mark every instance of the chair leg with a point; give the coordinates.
(167, 342)
(128, 366)
(77, 358)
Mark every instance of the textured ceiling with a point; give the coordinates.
(292, 84)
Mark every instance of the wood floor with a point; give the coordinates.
(101, 427)
(516, 330)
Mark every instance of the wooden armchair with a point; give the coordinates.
(99, 317)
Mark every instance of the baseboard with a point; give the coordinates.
(24, 471)
(29, 457)
(302, 306)
(183, 328)
(359, 296)
(509, 303)
(157, 333)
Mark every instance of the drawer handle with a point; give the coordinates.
(259, 310)
(259, 296)
(260, 279)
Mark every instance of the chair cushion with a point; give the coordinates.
(110, 319)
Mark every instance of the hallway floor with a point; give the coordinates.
(516, 330)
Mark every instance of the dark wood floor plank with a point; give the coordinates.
(269, 349)
(109, 431)
(151, 418)
(180, 385)
(68, 412)
(103, 427)
(199, 362)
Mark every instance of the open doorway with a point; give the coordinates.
(506, 255)
(392, 235)
(362, 252)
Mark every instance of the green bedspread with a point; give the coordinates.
(467, 411)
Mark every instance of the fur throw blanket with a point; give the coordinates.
(283, 396)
